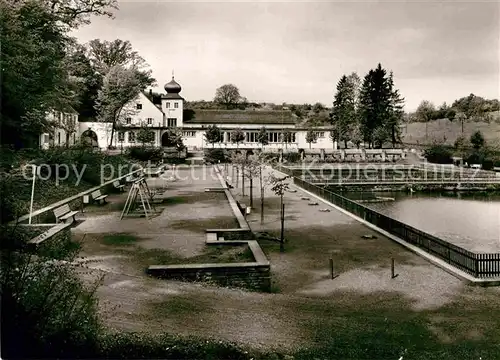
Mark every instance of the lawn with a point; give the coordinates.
(448, 131)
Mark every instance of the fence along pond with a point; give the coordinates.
(479, 265)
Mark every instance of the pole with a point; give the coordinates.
(331, 268)
(243, 178)
(282, 239)
(251, 192)
(237, 175)
(32, 191)
(261, 197)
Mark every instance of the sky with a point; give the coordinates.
(296, 52)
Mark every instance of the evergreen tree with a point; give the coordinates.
(344, 110)
(396, 113)
(263, 137)
(380, 108)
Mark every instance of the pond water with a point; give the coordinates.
(471, 221)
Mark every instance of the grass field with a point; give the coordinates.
(448, 131)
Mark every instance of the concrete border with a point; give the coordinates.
(462, 275)
(257, 271)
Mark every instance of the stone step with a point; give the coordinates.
(211, 237)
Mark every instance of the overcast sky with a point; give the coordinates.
(296, 52)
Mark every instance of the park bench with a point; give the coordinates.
(64, 213)
(48, 234)
(118, 186)
(97, 196)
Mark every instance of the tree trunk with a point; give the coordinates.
(261, 197)
(243, 178)
(282, 237)
(345, 144)
(251, 192)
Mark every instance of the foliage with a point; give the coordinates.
(214, 156)
(173, 138)
(145, 135)
(213, 134)
(262, 136)
(344, 111)
(439, 154)
(477, 140)
(143, 153)
(237, 136)
(311, 136)
(287, 136)
(228, 96)
(425, 111)
(291, 157)
(380, 108)
(120, 87)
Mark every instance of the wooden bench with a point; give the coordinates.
(97, 196)
(64, 213)
(48, 234)
(118, 186)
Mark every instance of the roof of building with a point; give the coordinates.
(242, 117)
(172, 96)
(172, 87)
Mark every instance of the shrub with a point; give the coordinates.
(213, 156)
(487, 164)
(292, 157)
(439, 154)
(142, 153)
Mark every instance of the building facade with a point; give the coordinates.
(170, 113)
(66, 129)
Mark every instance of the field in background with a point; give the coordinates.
(448, 131)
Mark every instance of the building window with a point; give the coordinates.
(131, 136)
(121, 136)
(320, 134)
(46, 138)
(139, 106)
(150, 121)
(176, 105)
(189, 133)
(167, 105)
(128, 121)
(172, 122)
(251, 137)
(58, 138)
(274, 137)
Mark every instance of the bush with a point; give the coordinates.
(143, 153)
(487, 164)
(439, 154)
(213, 156)
(292, 157)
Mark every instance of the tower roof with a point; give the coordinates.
(172, 87)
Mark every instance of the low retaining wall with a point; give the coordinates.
(255, 275)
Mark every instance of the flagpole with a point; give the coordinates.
(32, 191)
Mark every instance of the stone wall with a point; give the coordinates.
(252, 276)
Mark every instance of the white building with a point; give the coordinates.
(171, 114)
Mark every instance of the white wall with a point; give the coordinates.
(138, 117)
(172, 112)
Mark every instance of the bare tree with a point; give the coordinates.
(279, 187)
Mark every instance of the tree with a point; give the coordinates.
(311, 136)
(460, 116)
(263, 137)
(145, 135)
(237, 136)
(396, 113)
(344, 110)
(318, 107)
(174, 138)
(213, 135)
(227, 95)
(287, 137)
(477, 140)
(252, 169)
(424, 113)
(380, 107)
(334, 136)
(121, 86)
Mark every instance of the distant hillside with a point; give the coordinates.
(449, 131)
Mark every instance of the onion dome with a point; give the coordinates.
(172, 87)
